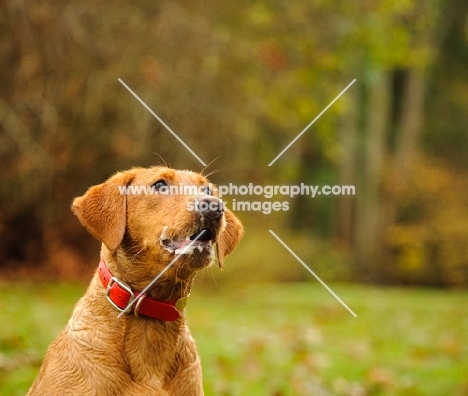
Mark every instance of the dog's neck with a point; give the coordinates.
(131, 335)
(165, 289)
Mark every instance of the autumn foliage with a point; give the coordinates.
(239, 81)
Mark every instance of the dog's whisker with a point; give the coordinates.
(162, 159)
(214, 277)
(172, 291)
(202, 277)
(136, 255)
(206, 166)
(213, 172)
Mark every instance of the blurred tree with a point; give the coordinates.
(238, 81)
(68, 123)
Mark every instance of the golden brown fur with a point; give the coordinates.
(103, 355)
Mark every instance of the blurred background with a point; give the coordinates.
(237, 81)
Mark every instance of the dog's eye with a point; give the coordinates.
(160, 185)
(206, 190)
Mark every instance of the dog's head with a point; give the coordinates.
(146, 217)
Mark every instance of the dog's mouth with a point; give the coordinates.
(200, 241)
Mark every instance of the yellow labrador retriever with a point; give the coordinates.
(120, 341)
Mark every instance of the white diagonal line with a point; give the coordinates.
(313, 273)
(315, 119)
(162, 122)
(161, 273)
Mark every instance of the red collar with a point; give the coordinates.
(120, 295)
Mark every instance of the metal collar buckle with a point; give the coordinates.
(124, 286)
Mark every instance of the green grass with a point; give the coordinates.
(279, 339)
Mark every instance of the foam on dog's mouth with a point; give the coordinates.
(199, 240)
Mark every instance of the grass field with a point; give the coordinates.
(279, 339)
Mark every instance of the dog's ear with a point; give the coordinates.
(102, 210)
(230, 237)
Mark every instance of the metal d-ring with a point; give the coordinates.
(140, 299)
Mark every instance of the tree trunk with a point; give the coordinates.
(408, 130)
(348, 141)
(368, 233)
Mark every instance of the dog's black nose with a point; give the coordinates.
(209, 206)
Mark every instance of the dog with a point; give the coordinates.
(121, 340)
